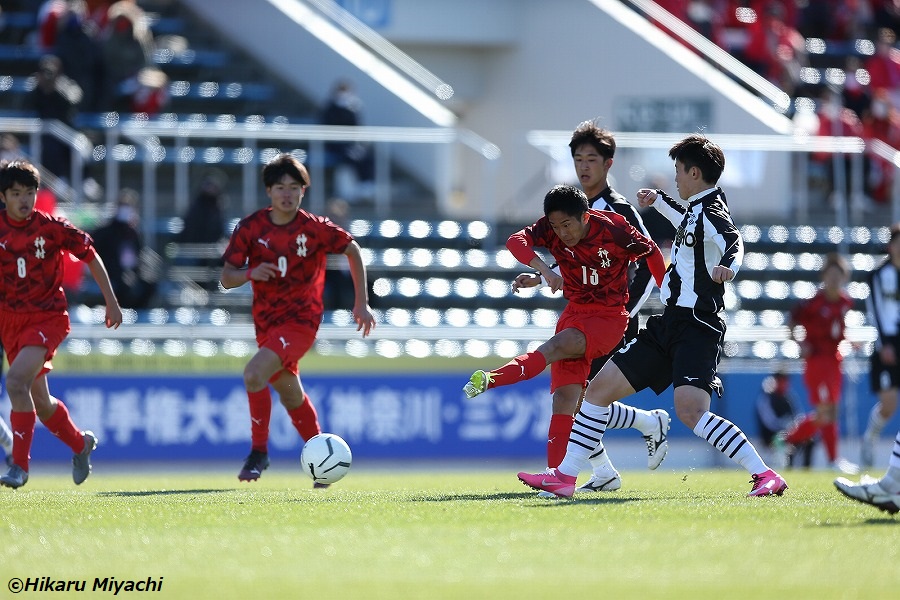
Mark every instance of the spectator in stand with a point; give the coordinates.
(204, 223)
(776, 409)
(48, 17)
(152, 93)
(78, 47)
(55, 96)
(887, 15)
(834, 120)
(881, 121)
(884, 65)
(775, 49)
(338, 293)
(10, 147)
(120, 244)
(127, 48)
(345, 108)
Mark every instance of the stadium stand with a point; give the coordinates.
(425, 274)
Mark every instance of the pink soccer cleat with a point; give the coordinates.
(551, 480)
(768, 483)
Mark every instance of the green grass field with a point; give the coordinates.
(447, 533)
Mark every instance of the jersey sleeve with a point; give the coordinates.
(669, 208)
(726, 237)
(237, 250)
(77, 242)
(521, 244)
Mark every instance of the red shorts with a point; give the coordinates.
(823, 379)
(289, 342)
(603, 328)
(45, 329)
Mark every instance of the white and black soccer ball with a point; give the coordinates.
(326, 458)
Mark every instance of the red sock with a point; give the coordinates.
(260, 415)
(22, 425)
(558, 438)
(305, 419)
(60, 424)
(803, 431)
(520, 368)
(830, 439)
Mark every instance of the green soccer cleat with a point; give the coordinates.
(478, 384)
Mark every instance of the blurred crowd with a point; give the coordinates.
(782, 39)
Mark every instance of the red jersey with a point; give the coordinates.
(595, 270)
(31, 261)
(299, 249)
(823, 320)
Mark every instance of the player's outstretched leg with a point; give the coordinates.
(255, 463)
(81, 462)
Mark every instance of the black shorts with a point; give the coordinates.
(630, 333)
(881, 376)
(680, 347)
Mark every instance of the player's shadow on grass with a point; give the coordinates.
(886, 521)
(527, 496)
(137, 493)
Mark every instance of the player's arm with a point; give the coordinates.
(521, 246)
(362, 314)
(663, 203)
(233, 277)
(113, 311)
(728, 239)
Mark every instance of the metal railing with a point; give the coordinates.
(151, 137)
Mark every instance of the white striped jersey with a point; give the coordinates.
(705, 237)
(883, 303)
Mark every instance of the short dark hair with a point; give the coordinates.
(588, 132)
(566, 199)
(18, 171)
(697, 151)
(281, 165)
(835, 259)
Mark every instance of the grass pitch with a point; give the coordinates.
(419, 532)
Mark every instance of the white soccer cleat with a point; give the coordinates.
(657, 440)
(601, 482)
(870, 493)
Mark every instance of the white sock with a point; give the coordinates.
(600, 462)
(586, 437)
(623, 416)
(6, 437)
(727, 438)
(876, 423)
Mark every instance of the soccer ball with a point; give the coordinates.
(326, 458)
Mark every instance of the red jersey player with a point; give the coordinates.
(282, 251)
(593, 250)
(823, 318)
(34, 319)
